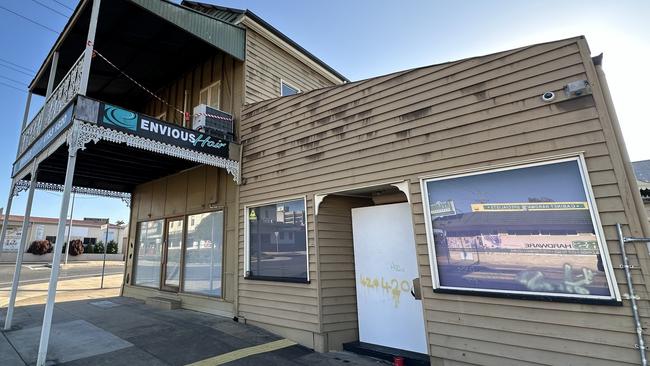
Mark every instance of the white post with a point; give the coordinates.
(56, 260)
(50, 81)
(26, 113)
(88, 53)
(5, 220)
(67, 243)
(21, 249)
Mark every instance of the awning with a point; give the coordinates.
(121, 148)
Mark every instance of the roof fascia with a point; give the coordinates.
(255, 23)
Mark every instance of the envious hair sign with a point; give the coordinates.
(140, 125)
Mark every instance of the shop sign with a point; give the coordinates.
(444, 208)
(52, 132)
(12, 240)
(530, 206)
(137, 124)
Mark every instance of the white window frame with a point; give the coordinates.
(208, 89)
(595, 219)
(247, 263)
(282, 81)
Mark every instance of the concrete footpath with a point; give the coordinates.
(93, 326)
(123, 331)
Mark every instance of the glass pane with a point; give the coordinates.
(203, 253)
(214, 96)
(148, 253)
(277, 241)
(174, 247)
(288, 90)
(520, 230)
(203, 96)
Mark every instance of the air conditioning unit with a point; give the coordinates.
(213, 122)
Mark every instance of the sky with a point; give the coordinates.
(362, 39)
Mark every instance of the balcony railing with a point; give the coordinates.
(58, 99)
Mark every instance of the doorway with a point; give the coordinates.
(172, 253)
(385, 264)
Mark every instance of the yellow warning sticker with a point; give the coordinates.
(252, 216)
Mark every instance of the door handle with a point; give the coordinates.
(416, 291)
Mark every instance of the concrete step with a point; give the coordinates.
(163, 303)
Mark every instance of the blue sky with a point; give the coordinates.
(365, 38)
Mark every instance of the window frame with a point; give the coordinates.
(613, 299)
(181, 288)
(290, 85)
(207, 89)
(136, 250)
(247, 241)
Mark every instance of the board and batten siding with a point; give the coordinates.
(266, 64)
(474, 113)
(216, 67)
(197, 190)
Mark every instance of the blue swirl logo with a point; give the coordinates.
(120, 117)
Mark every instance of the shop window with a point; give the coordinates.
(276, 242)
(51, 238)
(92, 241)
(203, 254)
(287, 89)
(211, 95)
(148, 253)
(527, 231)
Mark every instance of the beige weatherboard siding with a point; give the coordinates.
(267, 64)
(468, 115)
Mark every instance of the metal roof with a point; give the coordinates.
(233, 15)
(642, 173)
(223, 35)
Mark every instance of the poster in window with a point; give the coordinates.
(526, 230)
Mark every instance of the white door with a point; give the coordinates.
(385, 264)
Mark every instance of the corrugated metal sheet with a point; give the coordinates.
(225, 36)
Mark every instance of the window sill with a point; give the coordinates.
(277, 279)
(514, 296)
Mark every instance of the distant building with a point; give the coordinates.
(642, 172)
(88, 230)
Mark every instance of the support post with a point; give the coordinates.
(88, 53)
(5, 220)
(56, 260)
(28, 103)
(50, 80)
(21, 249)
(67, 243)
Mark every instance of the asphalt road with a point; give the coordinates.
(39, 273)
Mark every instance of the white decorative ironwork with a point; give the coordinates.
(81, 133)
(23, 185)
(58, 99)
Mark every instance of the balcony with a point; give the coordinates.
(140, 52)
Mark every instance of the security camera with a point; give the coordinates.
(548, 96)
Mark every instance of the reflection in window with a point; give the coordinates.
(148, 253)
(203, 253)
(522, 230)
(277, 241)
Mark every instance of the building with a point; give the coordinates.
(642, 172)
(326, 214)
(88, 230)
